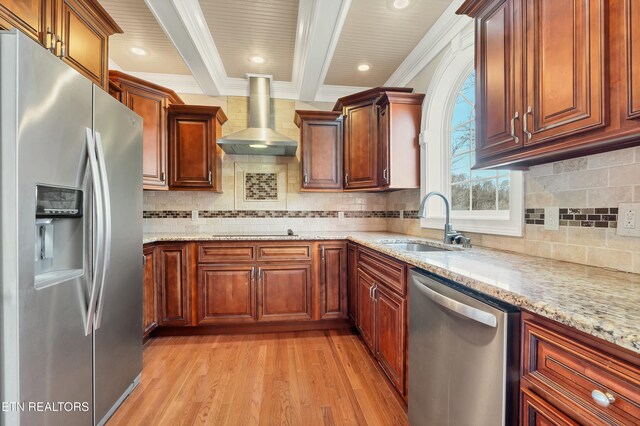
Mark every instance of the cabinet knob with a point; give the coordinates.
(603, 399)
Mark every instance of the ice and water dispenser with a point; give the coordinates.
(59, 235)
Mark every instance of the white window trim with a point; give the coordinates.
(451, 72)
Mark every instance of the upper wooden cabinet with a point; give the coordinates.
(381, 128)
(399, 117)
(555, 79)
(632, 54)
(77, 31)
(195, 158)
(150, 102)
(321, 150)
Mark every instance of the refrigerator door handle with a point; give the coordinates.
(107, 226)
(99, 245)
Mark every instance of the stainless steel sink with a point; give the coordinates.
(416, 247)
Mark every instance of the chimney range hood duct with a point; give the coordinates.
(259, 138)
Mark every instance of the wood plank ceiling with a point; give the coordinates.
(142, 31)
(244, 28)
(380, 36)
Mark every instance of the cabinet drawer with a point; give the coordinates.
(225, 253)
(390, 272)
(283, 252)
(568, 371)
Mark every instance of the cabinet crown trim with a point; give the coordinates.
(302, 115)
(367, 95)
(120, 77)
(212, 111)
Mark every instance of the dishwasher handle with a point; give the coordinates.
(467, 311)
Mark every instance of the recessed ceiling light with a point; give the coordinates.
(139, 51)
(257, 59)
(400, 4)
(259, 146)
(363, 67)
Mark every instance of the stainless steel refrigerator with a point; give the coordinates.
(71, 246)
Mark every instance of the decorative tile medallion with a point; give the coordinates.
(261, 186)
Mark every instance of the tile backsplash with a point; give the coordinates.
(587, 190)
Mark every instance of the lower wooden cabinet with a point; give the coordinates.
(535, 411)
(573, 378)
(366, 314)
(149, 292)
(284, 293)
(390, 325)
(352, 276)
(173, 285)
(226, 294)
(333, 280)
(382, 313)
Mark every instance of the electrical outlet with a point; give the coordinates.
(552, 218)
(401, 214)
(628, 221)
(340, 216)
(194, 215)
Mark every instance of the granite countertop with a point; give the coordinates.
(598, 301)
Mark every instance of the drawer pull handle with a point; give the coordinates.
(603, 399)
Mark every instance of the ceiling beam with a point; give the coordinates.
(434, 41)
(184, 24)
(319, 26)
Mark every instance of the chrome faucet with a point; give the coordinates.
(450, 236)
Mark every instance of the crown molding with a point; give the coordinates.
(176, 82)
(331, 93)
(434, 41)
(114, 66)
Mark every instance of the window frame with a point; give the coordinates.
(452, 71)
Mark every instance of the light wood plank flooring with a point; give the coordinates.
(301, 378)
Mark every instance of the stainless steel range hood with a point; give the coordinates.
(259, 138)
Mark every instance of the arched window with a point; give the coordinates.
(484, 201)
(472, 190)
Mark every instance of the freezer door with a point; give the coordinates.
(47, 357)
(118, 333)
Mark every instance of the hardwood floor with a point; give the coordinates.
(301, 378)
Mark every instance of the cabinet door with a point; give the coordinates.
(321, 147)
(152, 108)
(173, 284)
(632, 39)
(333, 281)
(32, 17)
(361, 147)
(498, 80)
(284, 292)
(537, 412)
(352, 277)
(149, 293)
(366, 312)
(83, 43)
(565, 68)
(390, 335)
(191, 145)
(226, 294)
(384, 139)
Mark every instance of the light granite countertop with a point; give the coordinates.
(598, 301)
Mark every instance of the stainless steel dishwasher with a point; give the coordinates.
(463, 355)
